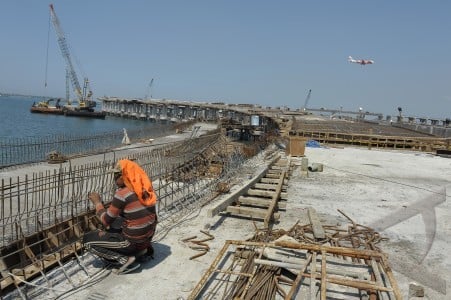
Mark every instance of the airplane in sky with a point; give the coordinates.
(360, 61)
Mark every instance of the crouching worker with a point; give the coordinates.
(134, 204)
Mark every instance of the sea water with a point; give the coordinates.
(16, 121)
(27, 137)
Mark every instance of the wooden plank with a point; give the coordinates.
(32, 269)
(272, 180)
(265, 186)
(340, 280)
(299, 276)
(323, 275)
(259, 202)
(393, 282)
(282, 162)
(233, 198)
(318, 230)
(247, 211)
(281, 205)
(274, 200)
(313, 279)
(343, 251)
(201, 284)
(3, 268)
(254, 201)
(272, 176)
(262, 193)
(77, 230)
(377, 274)
(52, 238)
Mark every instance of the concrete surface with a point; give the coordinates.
(403, 194)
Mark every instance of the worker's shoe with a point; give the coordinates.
(146, 255)
(129, 266)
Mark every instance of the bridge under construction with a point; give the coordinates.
(44, 215)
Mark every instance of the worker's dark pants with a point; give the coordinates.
(110, 245)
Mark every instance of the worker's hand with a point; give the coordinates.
(94, 197)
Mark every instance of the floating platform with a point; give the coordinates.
(47, 110)
(86, 114)
(68, 112)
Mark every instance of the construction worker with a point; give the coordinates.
(133, 207)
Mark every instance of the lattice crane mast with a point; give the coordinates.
(149, 90)
(84, 96)
(306, 100)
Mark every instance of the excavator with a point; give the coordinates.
(84, 96)
(47, 103)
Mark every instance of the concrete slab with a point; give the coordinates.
(368, 185)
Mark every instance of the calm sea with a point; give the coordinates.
(16, 120)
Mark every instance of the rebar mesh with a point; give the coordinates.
(44, 215)
(15, 151)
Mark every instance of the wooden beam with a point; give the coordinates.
(323, 275)
(272, 180)
(318, 230)
(247, 211)
(234, 197)
(351, 252)
(262, 193)
(259, 202)
(298, 279)
(255, 201)
(274, 200)
(265, 186)
(272, 176)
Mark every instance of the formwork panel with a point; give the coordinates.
(296, 146)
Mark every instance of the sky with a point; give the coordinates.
(262, 52)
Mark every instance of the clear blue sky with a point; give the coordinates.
(237, 51)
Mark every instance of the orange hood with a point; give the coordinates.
(137, 180)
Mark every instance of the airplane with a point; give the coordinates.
(360, 61)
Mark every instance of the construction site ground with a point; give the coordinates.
(402, 194)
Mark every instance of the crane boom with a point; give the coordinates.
(306, 100)
(84, 97)
(149, 89)
(67, 87)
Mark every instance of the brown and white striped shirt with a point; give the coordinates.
(139, 220)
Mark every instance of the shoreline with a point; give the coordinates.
(27, 169)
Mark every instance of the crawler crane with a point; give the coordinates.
(84, 97)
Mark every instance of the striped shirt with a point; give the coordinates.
(139, 220)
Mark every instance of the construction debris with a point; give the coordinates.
(245, 270)
(282, 264)
(199, 245)
(260, 199)
(55, 157)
